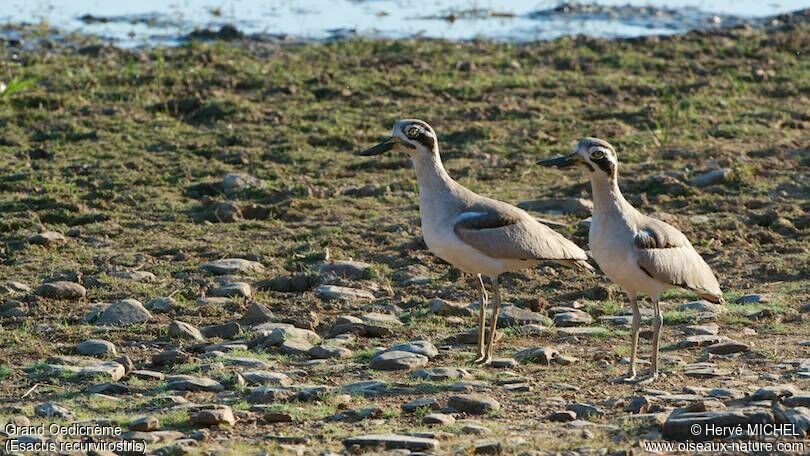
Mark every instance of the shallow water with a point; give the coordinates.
(148, 22)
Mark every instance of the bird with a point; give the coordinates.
(639, 253)
(478, 235)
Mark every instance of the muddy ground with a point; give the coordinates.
(125, 158)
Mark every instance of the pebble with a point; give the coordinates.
(438, 418)
(13, 308)
(51, 410)
(279, 335)
(709, 329)
(353, 270)
(344, 294)
(473, 404)
(562, 416)
(704, 370)
(222, 414)
(713, 177)
(701, 341)
(420, 347)
(182, 330)
(700, 306)
(366, 387)
(145, 424)
(47, 239)
(236, 181)
(681, 424)
(147, 374)
(422, 402)
(135, 276)
(81, 369)
(391, 442)
(327, 352)
(223, 331)
(543, 355)
(169, 357)
(471, 337)
(572, 317)
(353, 416)
(256, 314)
(772, 393)
(752, 299)
(229, 266)
(487, 447)
(232, 290)
(397, 360)
(585, 411)
(474, 428)
(503, 363)
(124, 313)
(727, 348)
(96, 347)
(190, 383)
(381, 319)
(62, 290)
(437, 374)
(449, 309)
(296, 347)
(638, 404)
(269, 395)
(12, 287)
(512, 315)
(161, 304)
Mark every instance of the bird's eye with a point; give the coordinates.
(413, 131)
(598, 154)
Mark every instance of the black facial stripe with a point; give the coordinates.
(425, 140)
(605, 165)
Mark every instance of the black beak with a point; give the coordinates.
(565, 161)
(384, 146)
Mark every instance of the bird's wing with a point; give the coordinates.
(505, 232)
(665, 254)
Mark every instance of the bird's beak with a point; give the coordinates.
(384, 146)
(565, 161)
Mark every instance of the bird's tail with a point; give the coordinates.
(713, 298)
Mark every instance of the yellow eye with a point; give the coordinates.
(597, 154)
(413, 132)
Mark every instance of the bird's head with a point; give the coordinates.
(410, 135)
(594, 154)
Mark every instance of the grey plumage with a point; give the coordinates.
(666, 255)
(478, 235)
(639, 253)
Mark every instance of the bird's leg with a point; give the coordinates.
(481, 321)
(493, 322)
(631, 374)
(658, 322)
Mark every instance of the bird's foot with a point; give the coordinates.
(482, 358)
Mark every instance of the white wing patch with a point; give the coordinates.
(467, 215)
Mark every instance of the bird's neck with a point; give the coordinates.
(606, 194)
(431, 175)
(436, 187)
